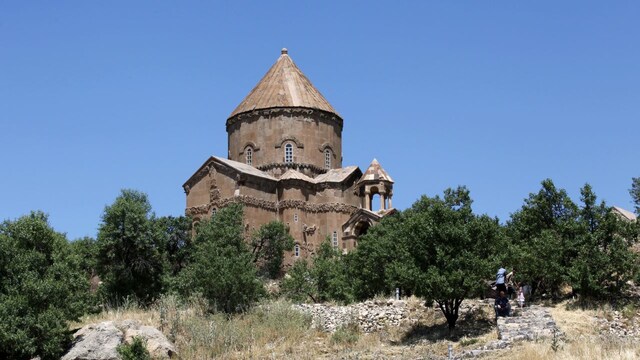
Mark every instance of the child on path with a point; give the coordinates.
(520, 297)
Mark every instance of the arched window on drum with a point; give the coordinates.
(327, 158)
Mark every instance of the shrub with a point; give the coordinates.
(325, 279)
(298, 284)
(268, 245)
(347, 334)
(129, 250)
(136, 350)
(221, 267)
(42, 287)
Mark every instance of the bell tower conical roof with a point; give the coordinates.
(375, 173)
(284, 85)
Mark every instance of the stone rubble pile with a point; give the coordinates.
(529, 324)
(619, 325)
(374, 315)
(371, 315)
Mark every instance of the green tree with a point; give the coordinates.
(298, 284)
(635, 193)
(545, 232)
(221, 266)
(130, 261)
(437, 249)
(175, 241)
(86, 250)
(453, 249)
(381, 263)
(268, 245)
(42, 286)
(330, 276)
(605, 261)
(327, 277)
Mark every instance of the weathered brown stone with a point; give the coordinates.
(306, 188)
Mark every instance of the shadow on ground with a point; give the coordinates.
(472, 324)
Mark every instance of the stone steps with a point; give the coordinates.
(528, 324)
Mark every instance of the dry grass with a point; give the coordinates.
(270, 330)
(595, 348)
(581, 338)
(273, 330)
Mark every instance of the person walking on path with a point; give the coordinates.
(500, 280)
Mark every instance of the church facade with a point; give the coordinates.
(284, 163)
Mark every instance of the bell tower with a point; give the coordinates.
(376, 182)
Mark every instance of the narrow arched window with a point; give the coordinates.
(334, 239)
(288, 153)
(296, 250)
(249, 155)
(327, 158)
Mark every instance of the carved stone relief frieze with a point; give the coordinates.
(273, 206)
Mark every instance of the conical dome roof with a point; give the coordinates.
(284, 85)
(375, 173)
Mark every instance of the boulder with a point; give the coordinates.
(96, 342)
(100, 341)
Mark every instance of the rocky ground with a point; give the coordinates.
(621, 324)
(531, 323)
(371, 315)
(376, 329)
(528, 324)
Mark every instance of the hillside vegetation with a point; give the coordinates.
(274, 330)
(205, 286)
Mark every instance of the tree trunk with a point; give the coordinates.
(449, 308)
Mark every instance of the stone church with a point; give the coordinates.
(284, 163)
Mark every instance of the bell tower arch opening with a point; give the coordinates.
(376, 188)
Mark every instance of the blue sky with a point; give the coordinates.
(497, 96)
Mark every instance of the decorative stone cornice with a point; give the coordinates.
(253, 115)
(272, 205)
(317, 208)
(197, 210)
(293, 165)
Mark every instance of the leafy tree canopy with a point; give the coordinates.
(221, 266)
(544, 234)
(454, 250)
(605, 261)
(174, 241)
(42, 286)
(86, 250)
(557, 242)
(635, 193)
(437, 249)
(268, 245)
(129, 254)
(325, 279)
